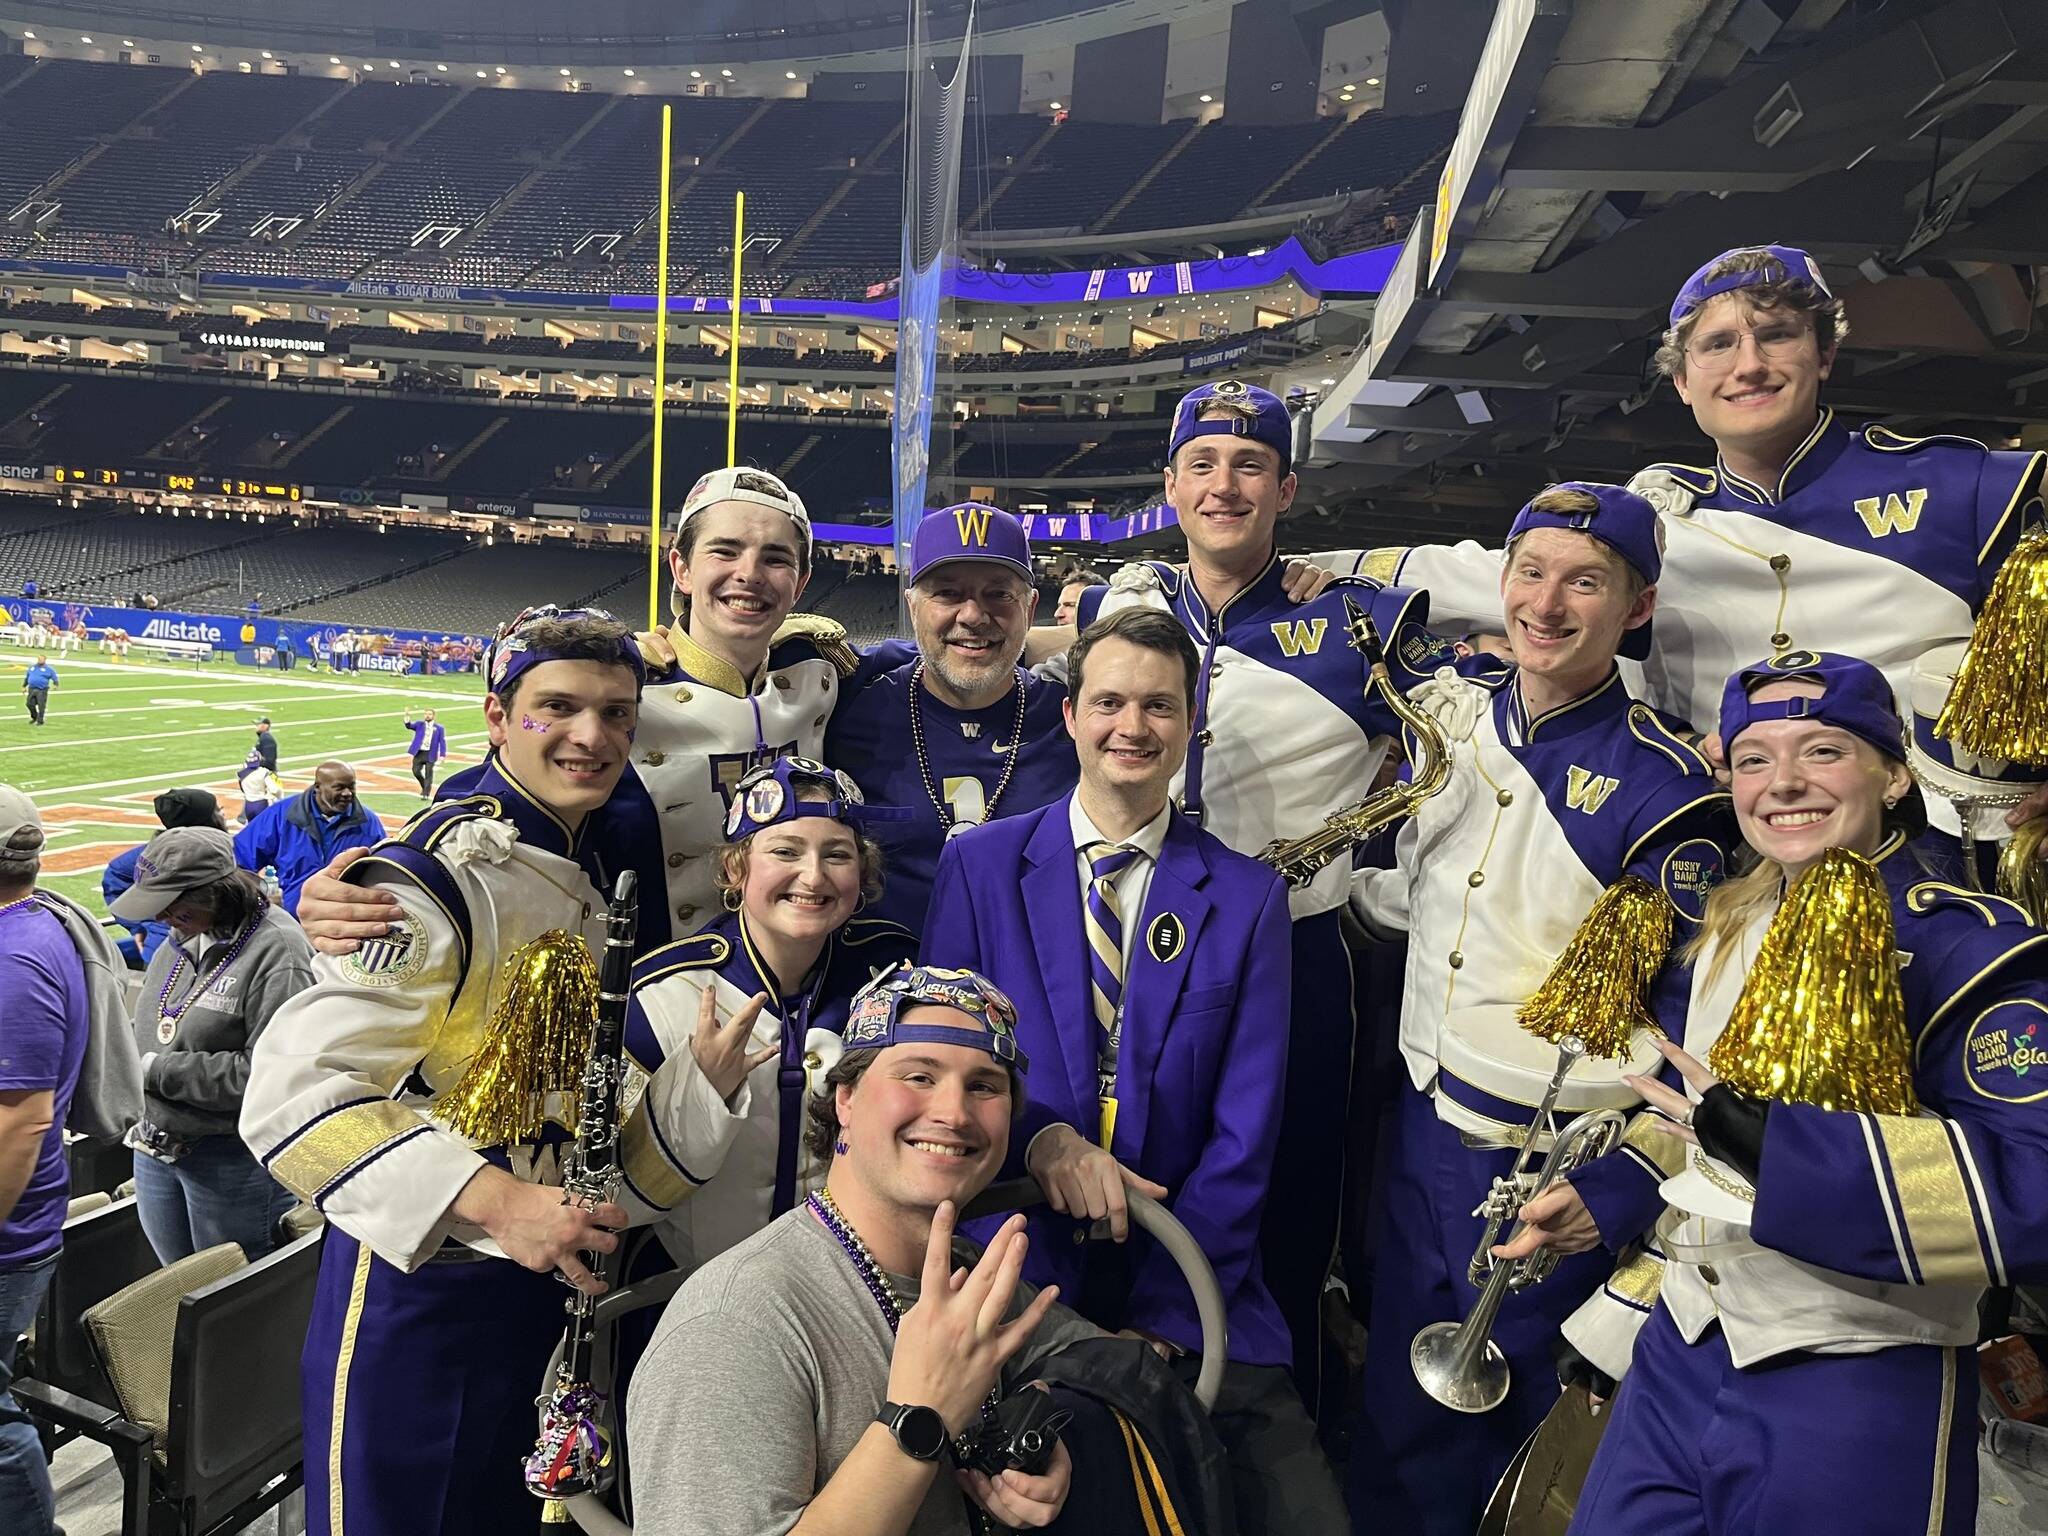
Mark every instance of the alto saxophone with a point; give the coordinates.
(1300, 859)
(574, 1453)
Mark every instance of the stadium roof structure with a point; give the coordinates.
(1607, 148)
(643, 32)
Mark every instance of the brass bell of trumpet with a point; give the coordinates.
(1458, 1364)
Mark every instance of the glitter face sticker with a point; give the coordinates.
(539, 727)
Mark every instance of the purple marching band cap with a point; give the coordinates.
(1624, 522)
(511, 653)
(772, 793)
(1788, 264)
(875, 1021)
(1855, 697)
(969, 530)
(1245, 410)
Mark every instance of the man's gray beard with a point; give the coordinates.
(936, 658)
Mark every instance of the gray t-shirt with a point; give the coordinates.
(764, 1372)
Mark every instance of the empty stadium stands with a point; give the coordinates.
(495, 186)
(479, 588)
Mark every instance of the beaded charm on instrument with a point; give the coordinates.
(1299, 859)
(574, 1453)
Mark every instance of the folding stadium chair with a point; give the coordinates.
(596, 1517)
(104, 1250)
(202, 1358)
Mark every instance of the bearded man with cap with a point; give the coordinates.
(43, 1032)
(234, 959)
(1802, 532)
(1285, 732)
(1559, 785)
(957, 732)
(174, 808)
(370, 1097)
(1844, 1180)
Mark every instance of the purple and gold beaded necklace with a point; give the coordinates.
(167, 1017)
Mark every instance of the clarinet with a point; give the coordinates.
(574, 1452)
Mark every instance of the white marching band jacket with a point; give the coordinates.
(340, 1086)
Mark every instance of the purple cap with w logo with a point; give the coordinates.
(969, 531)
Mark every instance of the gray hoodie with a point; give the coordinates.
(193, 1085)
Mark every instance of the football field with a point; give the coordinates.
(121, 731)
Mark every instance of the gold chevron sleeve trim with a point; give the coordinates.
(1381, 564)
(1934, 1201)
(1638, 1278)
(657, 1177)
(1663, 1151)
(332, 1148)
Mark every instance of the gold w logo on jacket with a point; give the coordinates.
(1895, 515)
(1296, 636)
(1587, 791)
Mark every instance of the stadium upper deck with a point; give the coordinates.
(311, 176)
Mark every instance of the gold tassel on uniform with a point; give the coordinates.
(2023, 870)
(1597, 990)
(536, 1044)
(1821, 1020)
(1999, 704)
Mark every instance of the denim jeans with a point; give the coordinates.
(28, 1505)
(215, 1193)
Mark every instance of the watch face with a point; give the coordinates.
(921, 1432)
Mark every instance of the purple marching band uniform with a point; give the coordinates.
(1285, 733)
(1817, 1370)
(952, 768)
(756, 1144)
(426, 1346)
(1191, 1097)
(1494, 875)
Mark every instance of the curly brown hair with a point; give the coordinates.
(729, 871)
(1830, 320)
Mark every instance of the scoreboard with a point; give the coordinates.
(166, 480)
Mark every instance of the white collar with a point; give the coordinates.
(1148, 839)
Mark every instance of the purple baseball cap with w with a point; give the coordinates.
(969, 531)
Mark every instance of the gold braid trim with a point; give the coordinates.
(336, 1146)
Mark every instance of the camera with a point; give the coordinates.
(1019, 1437)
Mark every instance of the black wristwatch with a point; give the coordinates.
(920, 1431)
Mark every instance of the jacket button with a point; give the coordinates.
(1457, 958)
(1781, 563)
(781, 684)
(1504, 797)
(1080, 1236)
(1781, 639)
(675, 860)
(682, 695)
(655, 759)
(686, 912)
(813, 1061)
(1206, 737)
(1710, 1274)
(1476, 879)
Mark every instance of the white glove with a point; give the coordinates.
(1452, 701)
(1663, 490)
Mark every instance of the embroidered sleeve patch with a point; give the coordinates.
(387, 962)
(2005, 1054)
(1691, 871)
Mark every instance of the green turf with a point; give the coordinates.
(119, 732)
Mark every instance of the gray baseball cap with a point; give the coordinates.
(17, 811)
(177, 860)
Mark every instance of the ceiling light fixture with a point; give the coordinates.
(443, 68)
(333, 58)
(501, 69)
(1206, 97)
(396, 65)
(1055, 106)
(481, 75)
(629, 74)
(195, 48)
(127, 42)
(84, 39)
(1372, 79)
(696, 74)
(268, 54)
(564, 72)
(726, 73)
(789, 74)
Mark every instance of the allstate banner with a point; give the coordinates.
(222, 632)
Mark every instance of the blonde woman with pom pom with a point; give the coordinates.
(1856, 1157)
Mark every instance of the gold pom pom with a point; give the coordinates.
(1999, 705)
(1598, 988)
(1821, 1020)
(537, 1043)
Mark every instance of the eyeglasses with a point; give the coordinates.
(1776, 341)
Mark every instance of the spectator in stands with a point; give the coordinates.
(429, 746)
(205, 999)
(36, 684)
(42, 1045)
(301, 834)
(266, 744)
(1074, 576)
(31, 588)
(174, 808)
(1081, 912)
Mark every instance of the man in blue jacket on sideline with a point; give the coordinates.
(301, 834)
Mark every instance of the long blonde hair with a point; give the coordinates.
(1731, 907)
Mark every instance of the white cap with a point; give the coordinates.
(1980, 788)
(755, 487)
(17, 811)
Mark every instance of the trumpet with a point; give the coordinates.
(1458, 1364)
(1301, 859)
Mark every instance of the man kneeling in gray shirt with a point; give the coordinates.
(814, 1377)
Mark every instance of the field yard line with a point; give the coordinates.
(202, 775)
(241, 727)
(271, 679)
